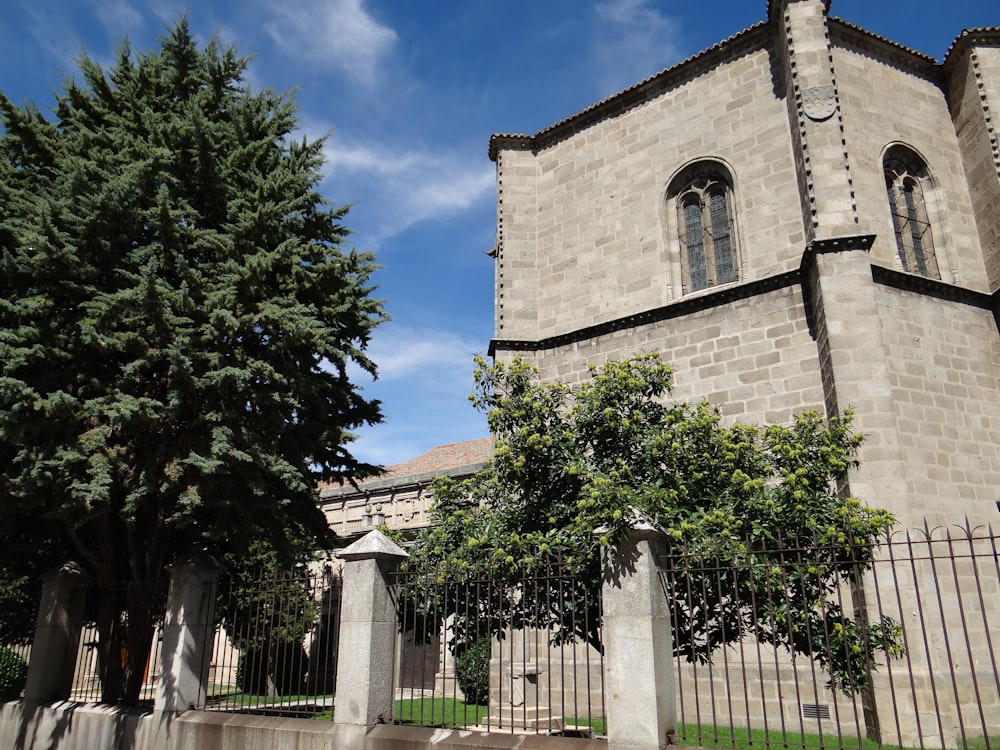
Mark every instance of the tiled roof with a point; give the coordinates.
(452, 459)
(442, 458)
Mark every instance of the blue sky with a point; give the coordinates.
(411, 91)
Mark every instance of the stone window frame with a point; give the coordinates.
(695, 184)
(919, 206)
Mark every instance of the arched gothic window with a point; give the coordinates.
(905, 180)
(705, 227)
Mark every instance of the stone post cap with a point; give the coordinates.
(642, 527)
(68, 569)
(373, 546)
(197, 559)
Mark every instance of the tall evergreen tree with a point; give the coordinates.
(177, 316)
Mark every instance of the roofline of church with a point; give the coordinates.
(750, 38)
(968, 38)
(632, 96)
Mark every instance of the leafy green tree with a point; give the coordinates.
(177, 317)
(571, 461)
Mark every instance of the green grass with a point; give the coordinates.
(597, 725)
(982, 743)
(758, 739)
(451, 713)
(436, 712)
(737, 737)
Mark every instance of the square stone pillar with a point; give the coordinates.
(638, 644)
(188, 630)
(57, 634)
(368, 625)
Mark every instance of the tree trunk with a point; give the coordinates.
(125, 625)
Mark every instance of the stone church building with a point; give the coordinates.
(804, 216)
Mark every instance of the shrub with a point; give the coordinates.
(472, 670)
(13, 674)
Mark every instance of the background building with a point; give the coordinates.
(400, 498)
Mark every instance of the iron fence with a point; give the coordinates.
(918, 663)
(276, 644)
(109, 672)
(88, 684)
(518, 655)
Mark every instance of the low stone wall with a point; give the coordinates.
(391, 737)
(72, 726)
(365, 689)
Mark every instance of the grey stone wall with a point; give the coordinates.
(885, 102)
(942, 359)
(974, 96)
(582, 224)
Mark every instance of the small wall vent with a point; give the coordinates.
(815, 711)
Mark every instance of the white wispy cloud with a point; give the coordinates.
(442, 358)
(119, 18)
(51, 35)
(425, 376)
(633, 40)
(338, 32)
(417, 185)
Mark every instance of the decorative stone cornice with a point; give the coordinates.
(68, 570)
(911, 282)
(689, 305)
(841, 244)
(398, 484)
(196, 560)
(684, 306)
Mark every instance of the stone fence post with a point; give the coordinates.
(638, 644)
(187, 633)
(368, 624)
(57, 634)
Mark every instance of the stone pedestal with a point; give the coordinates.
(445, 682)
(188, 630)
(368, 624)
(638, 645)
(57, 634)
(524, 706)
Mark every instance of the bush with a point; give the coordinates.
(472, 670)
(13, 674)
